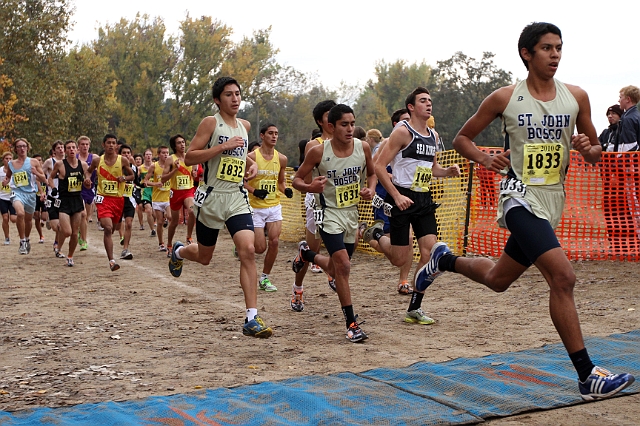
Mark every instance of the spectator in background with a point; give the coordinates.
(608, 136)
(374, 137)
(253, 146)
(359, 133)
(629, 125)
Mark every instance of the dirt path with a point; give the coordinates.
(85, 334)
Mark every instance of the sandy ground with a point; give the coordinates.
(85, 334)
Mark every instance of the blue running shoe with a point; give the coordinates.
(256, 328)
(429, 272)
(175, 264)
(602, 383)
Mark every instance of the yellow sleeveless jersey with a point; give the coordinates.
(161, 194)
(182, 179)
(108, 185)
(267, 179)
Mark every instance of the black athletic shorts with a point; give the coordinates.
(420, 215)
(71, 205)
(530, 236)
(129, 210)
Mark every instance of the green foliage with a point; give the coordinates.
(461, 84)
(142, 61)
(387, 94)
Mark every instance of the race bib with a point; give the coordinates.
(128, 190)
(47, 203)
(270, 187)
(20, 179)
(110, 187)
(377, 202)
(512, 186)
(74, 185)
(200, 195)
(347, 195)
(98, 199)
(386, 208)
(183, 182)
(230, 169)
(542, 163)
(318, 216)
(6, 189)
(56, 203)
(166, 186)
(421, 179)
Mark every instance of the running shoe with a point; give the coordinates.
(404, 288)
(153, 233)
(355, 333)
(41, 240)
(100, 228)
(298, 261)
(28, 246)
(429, 272)
(121, 241)
(175, 264)
(49, 225)
(332, 283)
(367, 234)
(315, 268)
(602, 383)
(113, 266)
(7, 241)
(235, 252)
(69, 262)
(142, 227)
(418, 317)
(23, 247)
(84, 245)
(256, 328)
(189, 241)
(161, 247)
(58, 254)
(126, 254)
(166, 223)
(362, 226)
(297, 302)
(266, 285)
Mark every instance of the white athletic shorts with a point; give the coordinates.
(266, 215)
(160, 205)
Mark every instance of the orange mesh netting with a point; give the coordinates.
(601, 219)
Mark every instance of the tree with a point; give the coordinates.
(142, 61)
(252, 63)
(461, 84)
(8, 117)
(92, 85)
(382, 97)
(203, 46)
(33, 40)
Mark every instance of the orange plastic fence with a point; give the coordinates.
(601, 219)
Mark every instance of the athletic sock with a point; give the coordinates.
(263, 276)
(377, 234)
(448, 263)
(176, 252)
(582, 363)
(297, 289)
(416, 301)
(251, 314)
(349, 317)
(309, 255)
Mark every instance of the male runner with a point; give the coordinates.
(88, 194)
(129, 210)
(160, 193)
(21, 175)
(113, 171)
(180, 178)
(538, 116)
(339, 168)
(411, 152)
(147, 190)
(320, 114)
(70, 174)
(221, 143)
(264, 197)
(53, 202)
(8, 212)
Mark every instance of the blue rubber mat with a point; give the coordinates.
(461, 391)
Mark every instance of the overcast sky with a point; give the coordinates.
(342, 40)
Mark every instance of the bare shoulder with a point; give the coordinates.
(252, 155)
(245, 123)
(282, 157)
(579, 93)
